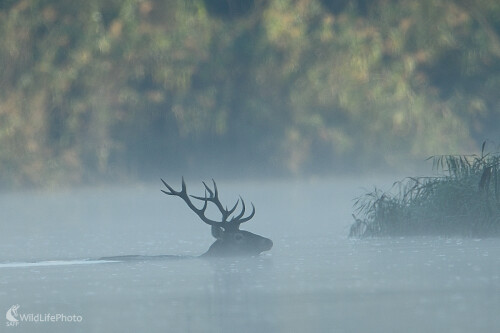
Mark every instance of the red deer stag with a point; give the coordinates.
(231, 241)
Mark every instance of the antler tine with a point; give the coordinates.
(172, 191)
(234, 207)
(184, 189)
(215, 188)
(205, 198)
(210, 190)
(213, 197)
(184, 196)
(202, 210)
(238, 219)
(249, 217)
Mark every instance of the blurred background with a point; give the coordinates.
(130, 90)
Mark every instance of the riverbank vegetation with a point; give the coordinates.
(94, 91)
(463, 200)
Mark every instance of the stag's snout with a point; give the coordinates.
(266, 244)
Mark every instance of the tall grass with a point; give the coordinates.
(463, 199)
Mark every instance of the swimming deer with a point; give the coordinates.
(230, 240)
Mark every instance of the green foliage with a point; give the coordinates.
(125, 89)
(464, 200)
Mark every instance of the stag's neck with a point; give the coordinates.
(216, 250)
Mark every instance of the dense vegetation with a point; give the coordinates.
(463, 200)
(127, 89)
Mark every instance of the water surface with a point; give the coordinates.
(315, 279)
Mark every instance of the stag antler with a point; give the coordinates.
(213, 197)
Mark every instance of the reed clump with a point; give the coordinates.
(463, 199)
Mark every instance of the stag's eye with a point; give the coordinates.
(238, 237)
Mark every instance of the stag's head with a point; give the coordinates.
(231, 241)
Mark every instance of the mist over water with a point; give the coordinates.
(314, 279)
(106, 92)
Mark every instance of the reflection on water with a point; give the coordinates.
(51, 263)
(314, 279)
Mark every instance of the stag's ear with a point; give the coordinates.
(217, 232)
